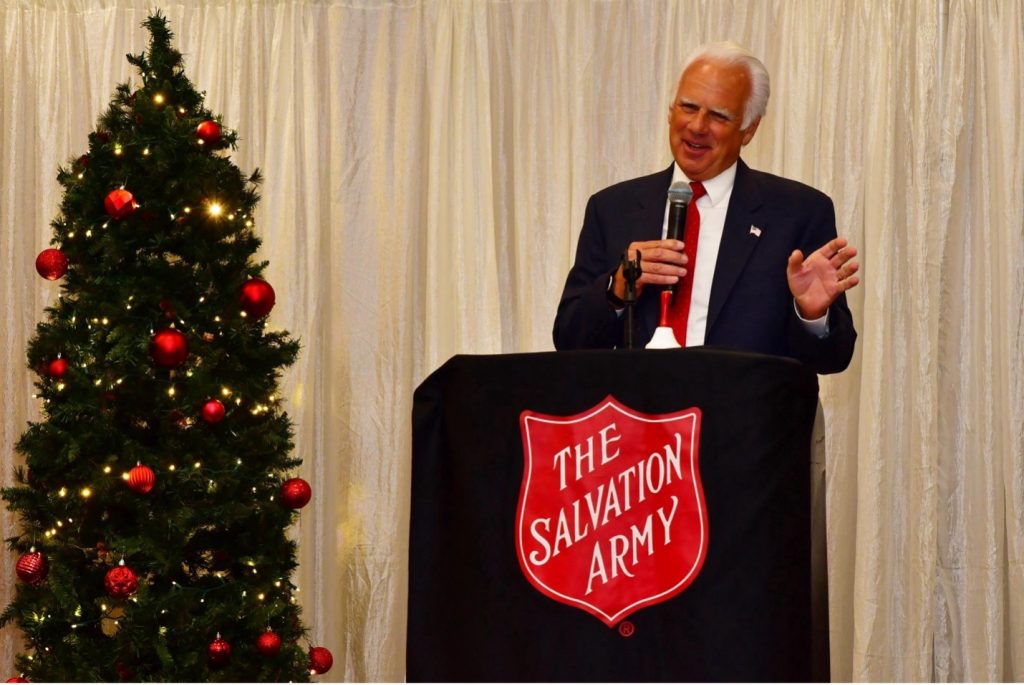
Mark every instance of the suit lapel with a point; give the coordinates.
(645, 221)
(648, 215)
(737, 241)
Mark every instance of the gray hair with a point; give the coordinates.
(728, 52)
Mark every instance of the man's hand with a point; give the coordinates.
(817, 281)
(661, 261)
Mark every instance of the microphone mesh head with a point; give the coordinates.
(680, 191)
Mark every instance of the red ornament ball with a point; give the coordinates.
(141, 479)
(257, 297)
(121, 582)
(169, 348)
(17, 679)
(320, 660)
(167, 307)
(295, 493)
(218, 653)
(119, 203)
(208, 132)
(268, 644)
(213, 411)
(57, 368)
(51, 264)
(32, 567)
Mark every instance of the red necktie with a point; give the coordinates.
(680, 311)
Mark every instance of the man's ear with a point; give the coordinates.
(748, 135)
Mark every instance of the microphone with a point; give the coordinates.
(679, 196)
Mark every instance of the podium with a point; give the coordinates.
(475, 615)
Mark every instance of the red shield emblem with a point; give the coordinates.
(611, 513)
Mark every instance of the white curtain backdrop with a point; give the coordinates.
(427, 164)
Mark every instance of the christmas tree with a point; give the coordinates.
(156, 492)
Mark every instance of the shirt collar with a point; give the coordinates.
(719, 188)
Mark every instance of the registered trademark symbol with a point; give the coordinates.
(626, 629)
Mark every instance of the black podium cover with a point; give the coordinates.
(473, 615)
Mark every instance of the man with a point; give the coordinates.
(753, 288)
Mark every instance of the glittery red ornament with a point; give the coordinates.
(124, 673)
(57, 368)
(257, 297)
(121, 582)
(268, 644)
(51, 264)
(17, 679)
(32, 567)
(208, 132)
(320, 660)
(169, 348)
(119, 203)
(213, 411)
(141, 479)
(295, 493)
(83, 161)
(218, 653)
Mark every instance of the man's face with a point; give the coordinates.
(705, 118)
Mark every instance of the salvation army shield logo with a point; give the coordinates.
(611, 514)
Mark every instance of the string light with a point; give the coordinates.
(158, 99)
(214, 209)
(86, 492)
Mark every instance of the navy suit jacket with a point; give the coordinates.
(750, 305)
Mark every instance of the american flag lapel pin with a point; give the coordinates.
(755, 231)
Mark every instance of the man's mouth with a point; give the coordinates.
(695, 147)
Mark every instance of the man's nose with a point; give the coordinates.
(699, 122)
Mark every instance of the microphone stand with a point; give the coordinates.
(631, 271)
